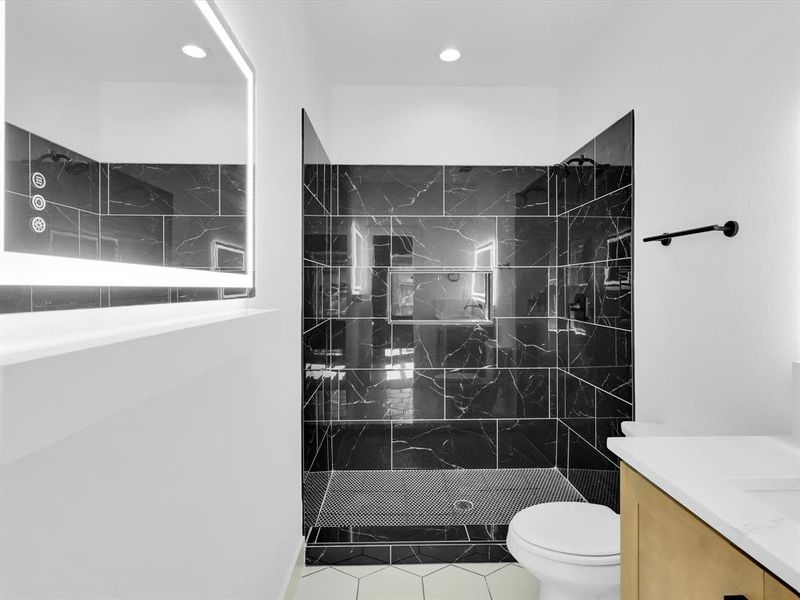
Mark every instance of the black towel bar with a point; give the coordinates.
(730, 229)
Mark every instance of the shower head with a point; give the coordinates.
(71, 165)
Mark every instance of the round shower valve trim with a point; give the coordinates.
(38, 202)
(38, 225)
(38, 180)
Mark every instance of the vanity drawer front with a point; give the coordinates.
(775, 590)
(676, 555)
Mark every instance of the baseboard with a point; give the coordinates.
(292, 579)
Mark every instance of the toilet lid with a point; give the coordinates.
(576, 528)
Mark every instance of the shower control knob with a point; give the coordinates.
(38, 180)
(37, 225)
(38, 202)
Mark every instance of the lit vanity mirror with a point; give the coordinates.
(128, 146)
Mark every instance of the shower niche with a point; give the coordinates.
(130, 164)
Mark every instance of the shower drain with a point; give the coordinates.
(463, 506)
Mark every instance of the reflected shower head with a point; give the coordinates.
(72, 166)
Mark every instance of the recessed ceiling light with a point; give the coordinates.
(449, 55)
(194, 51)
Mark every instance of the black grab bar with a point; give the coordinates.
(730, 229)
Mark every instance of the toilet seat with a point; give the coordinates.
(569, 532)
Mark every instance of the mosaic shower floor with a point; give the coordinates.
(407, 517)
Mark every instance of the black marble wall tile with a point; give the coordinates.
(523, 292)
(132, 239)
(614, 148)
(128, 296)
(390, 394)
(212, 243)
(527, 443)
(313, 189)
(360, 343)
(594, 239)
(316, 240)
(443, 346)
(576, 178)
(61, 228)
(562, 448)
(604, 429)
(526, 241)
(316, 346)
(361, 446)
(164, 189)
(317, 388)
(576, 397)
(89, 239)
(233, 190)
(584, 455)
(390, 190)
(613, 293)
(443, 241)
(599, 486)
(430, 445)
(347, 555)
(598, 346)
(497, 393)
(64, 298)
(478, 190)
(15, 299)
(361, 292)
(17, 160)
(617, 381)
(316, 447)
(528, 342)
(72, 179)
(450, 553)
(317, 299)
(611, 406)
(360, 241)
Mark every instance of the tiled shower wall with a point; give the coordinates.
(190, 216)
(534, 385)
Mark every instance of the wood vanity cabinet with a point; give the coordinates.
(668, 553)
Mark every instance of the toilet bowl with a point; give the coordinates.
(572, 548)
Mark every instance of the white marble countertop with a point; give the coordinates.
(709, 476)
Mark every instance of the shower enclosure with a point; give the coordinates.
(467, 348)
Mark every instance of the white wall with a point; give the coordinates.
(715, 90)
(191, 486)
(442, 125)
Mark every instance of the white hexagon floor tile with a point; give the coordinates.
(452, 582)
(390, 584)
(327, 584)
(512, 583)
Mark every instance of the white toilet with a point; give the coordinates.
(572, 548)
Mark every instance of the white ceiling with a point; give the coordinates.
(392, 42)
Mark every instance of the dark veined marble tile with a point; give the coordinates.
(390, 394)
(361, 292)
(599, 486)
(318, 299)
(71, 179)
(313, 189)
(607, 405)
(317, 240)
(488, 532)
(53, 231)
(526, 241)
(562, 250)
(15, 299)
(613, 292)
(583, 454)
(212, 243)
(598, 346)
(17, 171)
(479, 190)
(528, 342)
(128, 296)
(577, 287)
(164, 189)
(497, 393)
(89, 240)
(596, 238)
(583, 427)
(360, 343)
(316, 447)
(527, 443)
(394, 534)
(360, 241)
(318, 388)
(523, 292)
(575, 178)
(316, 346)
(444, 241)
(466, 444)
(604, 429)
(562, 448)
(614, 148)
(390, 190)
(233, 190)
(347, 555)
(441, 296)
(450, 553)
(618, 381)
(576, 397)
(65, 298)
(132, 239)
(361, 446)
(469, 346)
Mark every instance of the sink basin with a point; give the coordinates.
(780, 493)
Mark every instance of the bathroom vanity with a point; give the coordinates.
(710, 518)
